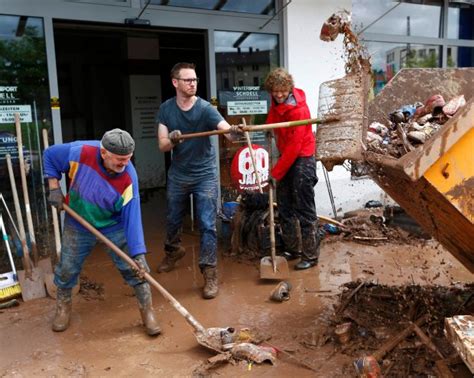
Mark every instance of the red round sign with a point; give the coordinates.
(242, 172)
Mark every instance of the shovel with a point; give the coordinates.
(26, 198)
(46, 264)
(268, 126)
(207, 337)
(31, 278)
(272, 267)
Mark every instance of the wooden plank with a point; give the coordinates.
(459, 330)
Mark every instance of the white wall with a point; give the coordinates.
(312, 62)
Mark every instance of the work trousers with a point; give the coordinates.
(295, 197)
(205, 200)
(77, 245)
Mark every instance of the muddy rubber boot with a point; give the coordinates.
(211, 288)
(169, 261)
(63, 310)
(143, 294)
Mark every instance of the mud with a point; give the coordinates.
(106, 338)
(378, 313)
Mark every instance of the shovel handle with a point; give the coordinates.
(24, 184)
(270, 208)
(19, 218)
(252, 156)
(189, 318)
(54, 211)
(268, 126)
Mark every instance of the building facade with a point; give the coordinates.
(80, 67)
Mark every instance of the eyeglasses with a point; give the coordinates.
(189, 81)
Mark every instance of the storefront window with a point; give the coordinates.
(266, 7)
(398, 18)
(460, 56)
(24, 90)
(461, 21)
(243, 60)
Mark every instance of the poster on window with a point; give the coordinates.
(243, 172)
(145, 96)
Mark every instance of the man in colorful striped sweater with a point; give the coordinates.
(104, 191)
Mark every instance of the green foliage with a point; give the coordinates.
(23, 63)
(414, 61)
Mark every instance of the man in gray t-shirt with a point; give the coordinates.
(193, 171)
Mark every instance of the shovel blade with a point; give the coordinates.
(268, 272)
(32, 287)
(345, 99)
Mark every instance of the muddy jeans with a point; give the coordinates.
(205, 200)
(295, 197)
(77, 245)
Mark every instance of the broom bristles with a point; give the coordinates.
(10, 292)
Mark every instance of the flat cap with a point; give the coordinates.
(118, 142)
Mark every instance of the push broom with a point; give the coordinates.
(9, 285)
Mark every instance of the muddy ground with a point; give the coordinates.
(106, 338)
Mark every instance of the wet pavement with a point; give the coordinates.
(105, 337)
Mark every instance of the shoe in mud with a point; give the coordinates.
(169, 261)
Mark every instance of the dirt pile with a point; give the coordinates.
(369, 316)
(91, 290)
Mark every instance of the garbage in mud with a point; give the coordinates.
(411, 125)
(252, 352)
(400, 329)
(375, 225)
(367, 367)
(281, 292)
(91, 290)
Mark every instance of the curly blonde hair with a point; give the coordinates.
(279, 78)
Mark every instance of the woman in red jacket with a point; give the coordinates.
(295, 170)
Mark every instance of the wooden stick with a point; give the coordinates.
(348, 299)
(252, 156)
(147, 276)
(54, 211)
(24, 184)
(330, 220)
(427, 341)
(369, 238)
(19, 218)
(393, 342)
(253, 128)
(270, 208)
(443, 369)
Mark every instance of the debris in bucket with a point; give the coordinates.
(398, 328)
(411, 125)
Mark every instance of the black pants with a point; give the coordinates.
(295, 197)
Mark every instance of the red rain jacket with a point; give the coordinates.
(292, 142)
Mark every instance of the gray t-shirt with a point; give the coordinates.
(193, 159)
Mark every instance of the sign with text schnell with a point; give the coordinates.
(245, 100)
